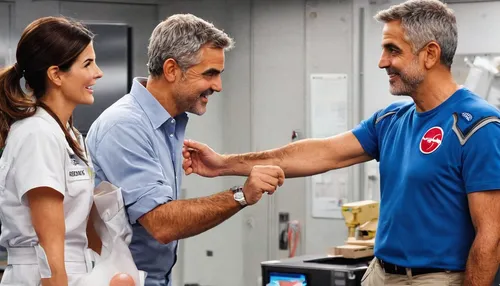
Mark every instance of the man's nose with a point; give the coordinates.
(217, 84)
(384, 61)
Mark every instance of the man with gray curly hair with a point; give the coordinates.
(439, 159)
(136, 144)
(419, 25)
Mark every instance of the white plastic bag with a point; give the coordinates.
(119, 260)
(113, 218)
(112, 226)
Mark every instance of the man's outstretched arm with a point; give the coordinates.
(302, 158)
(185, 218)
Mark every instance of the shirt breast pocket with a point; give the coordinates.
(78, 180)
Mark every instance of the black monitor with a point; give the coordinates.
(314, 270)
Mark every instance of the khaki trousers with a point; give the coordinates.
(375, 276)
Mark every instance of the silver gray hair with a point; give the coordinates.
(424, 21)
(181, 37)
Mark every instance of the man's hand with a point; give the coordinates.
(262, 179)
(201, 159)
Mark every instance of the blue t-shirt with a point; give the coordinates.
(429, 162)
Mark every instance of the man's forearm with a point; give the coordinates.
(185, 218)
(241, 164)
(482, 264)
(302, 158)
(296, 159)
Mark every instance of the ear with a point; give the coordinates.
(54, 75)
(432, 55)
(170, 70)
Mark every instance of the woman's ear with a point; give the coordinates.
(54, 75)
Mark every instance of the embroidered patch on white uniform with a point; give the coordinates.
(78, 174)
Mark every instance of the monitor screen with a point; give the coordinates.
(287, 279)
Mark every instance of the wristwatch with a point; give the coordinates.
(238, 195)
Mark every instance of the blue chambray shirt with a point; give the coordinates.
(136, 145)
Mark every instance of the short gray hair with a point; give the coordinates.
(424, 21)
(180, 37)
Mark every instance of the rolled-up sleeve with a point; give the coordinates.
(126, 156)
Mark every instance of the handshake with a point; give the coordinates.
(202, 160)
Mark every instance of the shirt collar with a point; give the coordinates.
(41, 112)
(44, 114)
(156, 113)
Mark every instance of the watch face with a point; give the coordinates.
(238, 195)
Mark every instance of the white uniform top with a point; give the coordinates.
(36, 155)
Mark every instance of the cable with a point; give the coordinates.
(293, 237)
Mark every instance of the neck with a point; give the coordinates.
(61, 108)
(436, 88)
(163, 93)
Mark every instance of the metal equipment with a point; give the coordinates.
(362, 215)
(314, 270)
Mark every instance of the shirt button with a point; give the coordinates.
(173, 121)
(171, 135)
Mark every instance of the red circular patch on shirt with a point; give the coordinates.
(431, 140)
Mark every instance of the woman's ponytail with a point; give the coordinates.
(14, 103)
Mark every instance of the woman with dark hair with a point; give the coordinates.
(46, 178)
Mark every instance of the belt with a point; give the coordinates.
(401, 270)
(35, 255)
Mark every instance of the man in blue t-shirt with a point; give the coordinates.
(439, 159)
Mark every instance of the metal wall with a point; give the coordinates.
(5, 31)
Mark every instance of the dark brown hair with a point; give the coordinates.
(46, 42)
